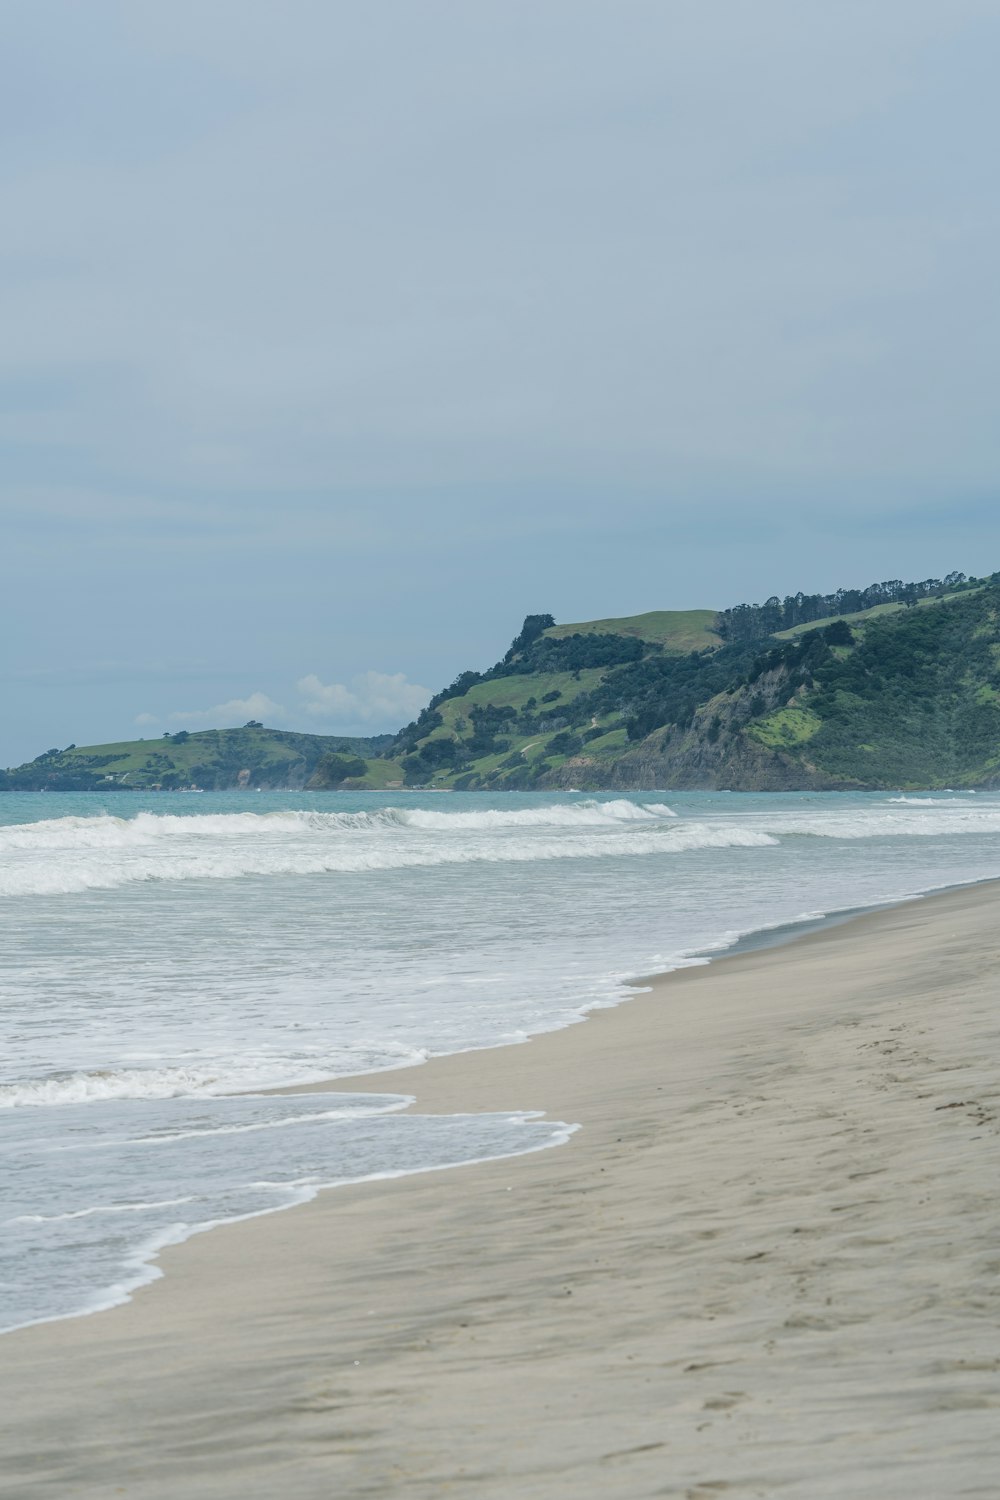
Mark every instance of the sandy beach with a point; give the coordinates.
(765, 1265)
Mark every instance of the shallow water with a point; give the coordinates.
(160, 953)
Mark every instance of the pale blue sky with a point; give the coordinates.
(336, 338)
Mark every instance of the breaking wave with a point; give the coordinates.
(929, 801)
(76, 854)
(557, 815)
(145, 829)
(917, 820)
(73, 854)
(177, 1082)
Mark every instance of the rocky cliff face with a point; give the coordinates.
(715, 753)
(712, 753)
(686, 762)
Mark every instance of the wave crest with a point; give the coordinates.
(147, 829)
(74, 854)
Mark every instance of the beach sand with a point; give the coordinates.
(766, 1265)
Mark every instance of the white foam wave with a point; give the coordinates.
(75, 854)
(927, 801)
(103, 1085)
(226, 846)
(926, 820)
(588, 814)
(389, 1106)
(121, 1083)
(102, 1208)
(147, 829)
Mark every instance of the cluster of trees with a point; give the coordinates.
(917, 700)
(565, 743)
(754, 622)
(533, 627)
(489, 731)
(483, 736)
(670, 690)
(658, 689)
(488, 724)
(72, 779)
(575, 653)
(424, 724)
(333, 769)
(803, 657)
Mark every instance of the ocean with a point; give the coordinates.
(167, 958)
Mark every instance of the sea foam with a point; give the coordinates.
(75, 854)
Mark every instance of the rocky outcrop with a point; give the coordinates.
(712, 753)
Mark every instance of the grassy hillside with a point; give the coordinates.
(527, 716)
(895, 685)
(910, 700)
(894, 695)
(678, 630)
(214, 759)
(898, 699)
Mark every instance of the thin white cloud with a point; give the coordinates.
(236, 711)
(382, 699)
(146, 719)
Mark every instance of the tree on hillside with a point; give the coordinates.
(533, 627)
(332, 769)
(754, 622)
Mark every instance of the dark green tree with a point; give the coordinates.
(332, 769)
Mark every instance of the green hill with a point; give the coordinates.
(903, 691)
(675, 629)
(213, 759)
(895, 685)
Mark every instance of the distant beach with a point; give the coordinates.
(766, 1264)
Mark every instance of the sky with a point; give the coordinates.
(337, 338)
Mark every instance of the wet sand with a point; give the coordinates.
(767, 1265)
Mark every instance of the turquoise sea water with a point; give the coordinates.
(163, 958)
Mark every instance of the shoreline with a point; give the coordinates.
(143, 1268)
(145, 1262)
(756, 940)
(668, 1276)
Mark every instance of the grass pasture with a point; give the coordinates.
(680, 630)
